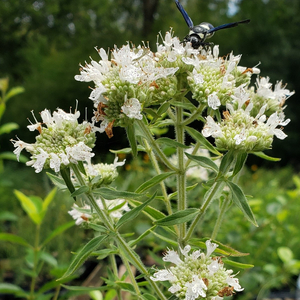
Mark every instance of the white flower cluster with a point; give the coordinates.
(62, 142)
(240, 130)
(85, 214)
(198, 275)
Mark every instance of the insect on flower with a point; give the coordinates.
(199, 33)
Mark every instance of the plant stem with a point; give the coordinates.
(122, 244)
(148, 136)
(35, 261)
(181, 175)
(219, 221)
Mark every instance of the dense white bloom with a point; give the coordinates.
(132, 108)
(197, 275)
(61, 141)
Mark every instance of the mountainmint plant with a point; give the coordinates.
(145, 91)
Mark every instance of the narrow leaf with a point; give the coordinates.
(240, 200)
(58, 231)
(203, 161)
(8, 237)
(226, 162)
(13, 92)
(83, 254)
(189, 188)
(81, 190)
(240, 162)
(8, 127)
(57, 181)
(148, 297)
(111, 194)
(153, 181)
(126, 286)
(132, 214)
(128, 150)
(237, 264)
(178, 217)
(49, 199)
(8, 288)
(198, 137)
(265, 156)
(131, 138)
(171, 143)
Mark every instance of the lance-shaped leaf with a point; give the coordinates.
(128, 150)
(198, 137)
(131, 138)
(227, 162)
(148, 297)
(240, 160)
(237, 264)
(81, 190)
(65, 174)
(265, 156)
(132, 214)
(171, 143)
(153, 181)
(203, 161)
(83, 254)
(8, 288)
(111, 194)
(178, 217)
(57, 181)
(8, 237)
(240, 200)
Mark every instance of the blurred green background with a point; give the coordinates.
(41, 46)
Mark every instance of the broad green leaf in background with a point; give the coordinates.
(8, 237)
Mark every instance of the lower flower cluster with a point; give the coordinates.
(198, 275)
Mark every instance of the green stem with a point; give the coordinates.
(113, 263)
(181, 175)
(122, 244)
(219, 221)
(57, 290)
(158, 171)
(148, 136)
(35, 261)
(194, 116)
(131, 275)
(214, 191)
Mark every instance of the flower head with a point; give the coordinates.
(60, 142)
(198, 275)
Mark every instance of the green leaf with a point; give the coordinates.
(57, 181)
(83, 288)
(237, 264)
(240, 200)
(48, 258)
(221, 249)
(186, 104)
(171, 143)
(126, 286)
(178, 217)
(8, 288)
(98, 227)
(83, 254)
(111, 194)
(152, 212)
(96, 295)
(285, 254)
(13, 92)
(226, 162)
(8, 237)
(30, 206)
(189, 188)
(131, 138)
(49, 199)
(133, 213)
(198, 137)
(163, 108)
(203, 161)
(128, 150)
(148, 297)
(165, 239)
(241, 158)
(58, 231)
(81, 190)
(265, 156)
(8, 216)
(153, 181)
(101, 254)
(8, 127)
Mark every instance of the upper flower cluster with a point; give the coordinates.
(133, 78)
(198, 275)
(63, 141)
